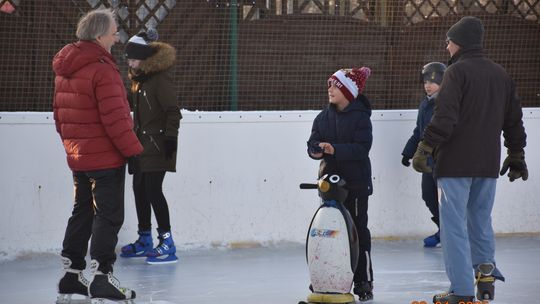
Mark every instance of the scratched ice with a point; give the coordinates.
(404, 272)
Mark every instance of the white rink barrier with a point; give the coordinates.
(237, 182)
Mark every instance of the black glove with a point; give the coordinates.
(516, 162)
(171, 145)
(314, 148)
(419, 160)
(406, 161)
(134, 165)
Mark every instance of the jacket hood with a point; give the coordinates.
(163, 58)
(360, 103)
(77, 55)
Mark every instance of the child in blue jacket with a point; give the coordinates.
(341, 138)
(431, 77)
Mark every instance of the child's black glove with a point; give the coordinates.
(314, 148)
(134, 165)
(515, 161)
(171, 144)
(406, 161)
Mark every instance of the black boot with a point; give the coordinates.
(73, 282)
(485, 282)
(106, 286)
(364, 290)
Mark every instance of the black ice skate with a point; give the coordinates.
(485, 282)
(72, 283)
(106, 288)
(364, 291)
(451, 298)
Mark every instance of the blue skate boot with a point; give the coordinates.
(140, 247)
(164, 253)
(433, 240)
(72, 283)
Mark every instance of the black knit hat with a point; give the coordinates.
(467, 32)
(433, 72)
(138, 46)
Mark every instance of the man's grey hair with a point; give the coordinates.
(95, 23)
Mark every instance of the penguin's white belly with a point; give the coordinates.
(328, 252)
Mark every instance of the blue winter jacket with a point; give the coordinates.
(350, 133)
(425, 112)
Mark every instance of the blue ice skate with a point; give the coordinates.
(433, 240)
(140, 247)
(164, 253)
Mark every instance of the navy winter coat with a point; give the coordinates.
(350, 133)
(425, 111)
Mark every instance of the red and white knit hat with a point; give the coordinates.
(350, 82)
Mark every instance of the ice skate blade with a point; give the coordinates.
(133, 255)
(171, 259)
(108, 301)
(67, 299)
(138, 254)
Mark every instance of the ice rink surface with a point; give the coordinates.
(404, 272)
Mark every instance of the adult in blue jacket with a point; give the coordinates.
(341, 138)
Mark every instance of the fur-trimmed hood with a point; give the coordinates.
(163, 58)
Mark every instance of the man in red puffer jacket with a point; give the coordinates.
(93, 119)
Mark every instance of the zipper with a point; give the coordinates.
(148, 102)
(154, 142)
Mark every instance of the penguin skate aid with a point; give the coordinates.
(331, 245)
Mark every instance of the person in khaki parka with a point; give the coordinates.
(157, 120)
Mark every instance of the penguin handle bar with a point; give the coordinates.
(308, 186)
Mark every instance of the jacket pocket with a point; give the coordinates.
(152, 142)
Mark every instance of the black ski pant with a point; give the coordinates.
(358, 208)
(147, 188)
(430, 196)
(98, 214)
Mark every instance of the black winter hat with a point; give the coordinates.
(433, 72)
(138, 46)
(467, 32)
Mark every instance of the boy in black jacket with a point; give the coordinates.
(341, 138)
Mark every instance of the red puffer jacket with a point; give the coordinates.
(91, 110)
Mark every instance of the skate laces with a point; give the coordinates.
(66, 265)
(83, 280)
(114, 281)
(94, 267)
(484, 273)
